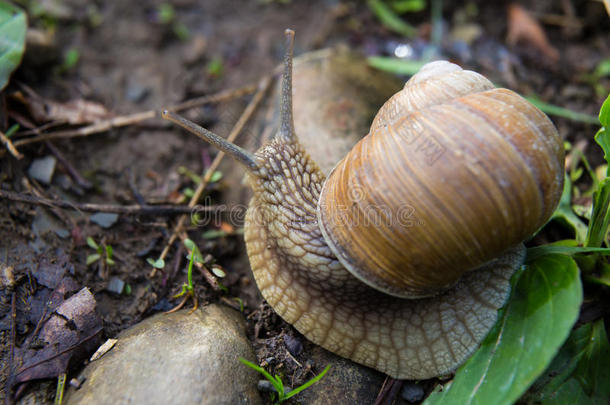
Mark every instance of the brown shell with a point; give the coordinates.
(453, 173)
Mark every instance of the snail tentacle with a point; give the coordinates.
(286, 118)
(240, 155)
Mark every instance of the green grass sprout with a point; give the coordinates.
(278, 385)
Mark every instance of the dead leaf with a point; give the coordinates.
(523, 27)
(67, 337)
(75, 112)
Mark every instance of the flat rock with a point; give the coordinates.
(177, 358)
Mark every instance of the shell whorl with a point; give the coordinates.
(444, 184)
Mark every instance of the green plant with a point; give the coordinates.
(11, 131)
(215, 67)
(103, 252)
(278, 385)
(197, 179)
(166, 15)
(71, 58)
(390, 19)
(595, 78)
(187, 288)
(156, 263)
(13, 26)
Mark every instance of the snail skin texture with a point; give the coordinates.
(401, 259)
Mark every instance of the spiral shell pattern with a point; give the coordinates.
(452, 173)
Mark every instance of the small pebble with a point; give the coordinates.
(42, 169)
(294, 345)
(412, 392)
(266, 386)
(62, 233)
(77, 382)
(115, 285)
(136, 92)
(104, 219)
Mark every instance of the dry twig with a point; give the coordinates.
(9, 145)
(110, 208)
(131, 119)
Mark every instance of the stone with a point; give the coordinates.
(104, 219)
(345, 383)
(179, 358)
(42, 169)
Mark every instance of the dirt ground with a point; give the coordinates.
(137, 56)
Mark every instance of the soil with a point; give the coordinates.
(131, 60)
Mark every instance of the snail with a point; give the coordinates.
(402, 256)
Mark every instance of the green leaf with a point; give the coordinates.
(92, 243)
(564, 212)
(552, 109)
(157, 264)
(166, 13)
(604, 113)
(600, 217)
(603, 68)
(192, 246)
(537, 252)
(216, 176)
(277, 383)
(13, 26)
(71, 58)
(189, 244)
(390, 20)
(218, 271)
(213, 234)
(14, 128)
(109, 251)
(543, 306)
(603, 135)
(93, 258)
(408, 6)
(395, 65)
(580, 372)
(215, 67)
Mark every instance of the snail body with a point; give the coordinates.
(366, 290)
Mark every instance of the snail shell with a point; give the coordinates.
(454, 170)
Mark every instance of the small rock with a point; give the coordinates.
(294, 345)
(104, 219)
(115, 285)
(42, 169)
(136, 92)
(266, 386)
(62, 233)
(345, 383)
(412, 392)
(178, 358)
